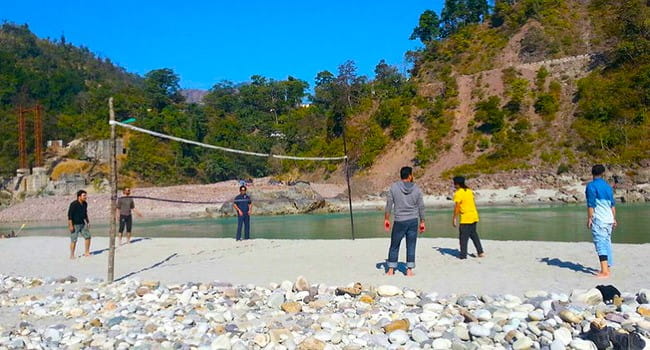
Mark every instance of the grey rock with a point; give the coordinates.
(419, 335)
(479, 331)
(115, 321)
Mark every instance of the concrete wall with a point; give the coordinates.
(100, 149)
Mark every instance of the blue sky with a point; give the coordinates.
(205, 42)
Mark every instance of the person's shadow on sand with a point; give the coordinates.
(100, 251)
(401, 267)
(451, 252)
(568, 265)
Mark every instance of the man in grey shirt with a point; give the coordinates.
(404, 199)
(124, 207)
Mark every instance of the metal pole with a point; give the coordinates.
(38, 135)
(347, 178)
(113, 167)
(22, 144)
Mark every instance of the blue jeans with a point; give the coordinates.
(408, 228)
(246, 221)
(602, 236)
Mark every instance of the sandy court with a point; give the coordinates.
(510, 267)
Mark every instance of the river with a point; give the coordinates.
(565, 223)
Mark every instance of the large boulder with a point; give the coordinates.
(297, 199)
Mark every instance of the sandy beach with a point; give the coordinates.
(510, 267)
(301, 294)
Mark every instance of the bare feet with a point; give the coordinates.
(602, 275)
(86, 254)
(482, 255)
(409, 272)
(71, 257)
(390, 272)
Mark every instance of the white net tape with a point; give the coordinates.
(225, 149)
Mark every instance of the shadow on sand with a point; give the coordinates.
(451, 252)
(401, 267)
(569, 265)
(147, 268)
(100, 251)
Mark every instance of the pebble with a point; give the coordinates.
(479, 331)
(419, 335)
(296, 315)
(522, 343)
(536, 315)
(388, 291)
(580, 344)
(398, 337)
(441, 344)
(563, 334)
(557, 344)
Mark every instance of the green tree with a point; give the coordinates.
(459, 13)
(388, 81)
(162, 88)
(428, 28)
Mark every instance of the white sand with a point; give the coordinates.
(510, 267)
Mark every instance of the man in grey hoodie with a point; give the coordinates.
(404, 199)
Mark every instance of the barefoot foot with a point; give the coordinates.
(390, 272)
(602, 275)
(409, 272)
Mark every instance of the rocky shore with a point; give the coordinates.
(66, 313)
(272, 198)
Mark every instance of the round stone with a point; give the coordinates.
(398, 337)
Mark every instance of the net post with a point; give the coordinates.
(347, 179)
(113, 206)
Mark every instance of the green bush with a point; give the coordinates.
(546, 105)
(563, 168)
(490, 114)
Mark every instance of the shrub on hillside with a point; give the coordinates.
(490, 114)
(546, 105)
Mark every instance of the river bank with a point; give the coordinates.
(208, 200)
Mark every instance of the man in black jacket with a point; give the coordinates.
(78, 222)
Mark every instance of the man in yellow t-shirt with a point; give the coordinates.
(465, 209)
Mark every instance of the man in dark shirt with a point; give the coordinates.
(78, 222)
(243, 206)
(124, 207)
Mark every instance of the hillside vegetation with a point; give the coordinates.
(544, 84)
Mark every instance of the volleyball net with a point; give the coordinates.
(224, 149)
(235, 151)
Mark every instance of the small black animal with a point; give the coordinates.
(608, 292)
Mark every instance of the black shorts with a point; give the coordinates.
(126, 220)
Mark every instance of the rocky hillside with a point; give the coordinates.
(521, 100)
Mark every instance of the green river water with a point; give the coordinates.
(549, 223)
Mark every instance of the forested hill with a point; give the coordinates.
(71, 83)
(546, 85)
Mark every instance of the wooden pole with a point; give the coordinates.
(347, 178)
(113, 167)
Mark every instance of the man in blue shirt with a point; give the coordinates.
(601, 218)
(243, 206)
